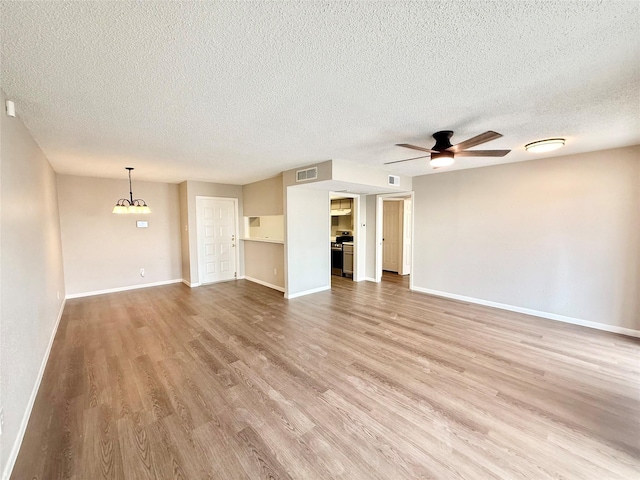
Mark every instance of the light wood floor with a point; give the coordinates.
(366, 381)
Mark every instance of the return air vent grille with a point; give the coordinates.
(306, 175)
(394, 180)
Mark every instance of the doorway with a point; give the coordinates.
(392, 209)
(394, 233)
(217, 230)
(345, 239)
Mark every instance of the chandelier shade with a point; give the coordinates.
(131, 205)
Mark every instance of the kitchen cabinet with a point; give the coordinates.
(341, 204)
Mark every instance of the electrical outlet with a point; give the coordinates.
(275, 271)
(1, 419)
(58, 294)
(142, 272)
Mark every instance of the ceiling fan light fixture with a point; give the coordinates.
(442, 153)
(443, 159)
(545, 145)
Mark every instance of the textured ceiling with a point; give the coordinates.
(235, 92)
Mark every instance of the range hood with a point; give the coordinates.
(340, 212)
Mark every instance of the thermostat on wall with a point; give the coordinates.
(142, 224)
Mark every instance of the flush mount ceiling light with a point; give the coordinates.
(129, 205)
(544, 145)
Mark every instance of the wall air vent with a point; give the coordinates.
(394, 180)
(306, 175)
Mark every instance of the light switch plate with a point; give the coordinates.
(142, 224)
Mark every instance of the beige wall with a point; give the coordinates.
(264, 262)
(31, 276)
(261, 259)
(350, 173)
(206, 189)
(364, 175)
(263, 198)
(557, 235)
(324, 173)
(103, 250)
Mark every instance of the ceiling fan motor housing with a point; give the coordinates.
(442, 140)
(443, 154)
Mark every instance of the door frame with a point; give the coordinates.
(399, 231)
(358, 239)
(379, 219)
(236, 233)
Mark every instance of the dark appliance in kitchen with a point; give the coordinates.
(337, 259)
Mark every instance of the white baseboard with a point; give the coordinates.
(551, 316)
(370, 279)
(262, 282)
(190, 285)
(307, 292)
(13, 456)
(218, 281)
(122, 289)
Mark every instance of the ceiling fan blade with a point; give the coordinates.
(473, 141)
(406, 160)
(482, 153)
(422, 149)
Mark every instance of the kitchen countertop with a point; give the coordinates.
(265, 240)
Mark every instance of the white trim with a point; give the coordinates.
(371, 279)
(378, 262)
(551, 316)
(307, 292)
(266, 284)
(219, 281)
(359, 238)
(413, 239)
(190, 285)
(13, 456)
(122, 289)
(379, 219)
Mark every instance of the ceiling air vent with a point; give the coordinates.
(306, 175)
(394, 180)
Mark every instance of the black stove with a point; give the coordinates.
(344, 238)
(337, 261)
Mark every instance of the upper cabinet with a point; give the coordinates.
(341, 204)
(341, 207)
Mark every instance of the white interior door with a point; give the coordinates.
(216, 224)
(391, 235)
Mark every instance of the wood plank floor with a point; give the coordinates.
(366, 381)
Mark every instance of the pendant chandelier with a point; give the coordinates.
(129, 205)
